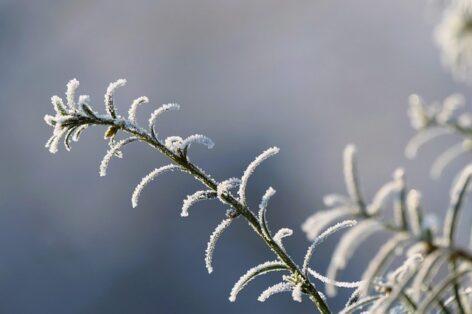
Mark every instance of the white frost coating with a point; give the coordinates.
(346, 248)
(111, 152)
(72, 86)
(331, 200)
(160, 111)
(265, 201)
(350, 173)
(446, 158)
(339, 226)
(58, 105)
(109, 106)
(429, 266)
(250, 170)
(83, 99)
(385, 253)
(449, 107)
(282, 233)
(194, 198)
(421, 138)
(382, 194)
(417, 113)
(78, 132)
(341, 284)
(413, 200)
(320, 220)
(263, 209)
(212, 243)
(53, 143)
(173, 143)
(198, 139)
(134, 106)
(455, 195)
(453, 36)
(50, 120)
(144, 181)
(399, 274)
(253, 273)
(297, 293)
(277, 288)
(225, 186)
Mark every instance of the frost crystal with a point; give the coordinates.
(350, 174)
(83, 100)
(70, 93)
(198, 139)
(277, 288)
(413, 206)
(297, 293)
(421, 138)
(225, 186)
(454, 37)
(160, 111)
(53, 143)
(134, 106)
(384, 255)
(194, 198)
(252, 274)
(109, 106)
(405, 269)
(457, 194)
(212, 243)
(145, 181)
(282, 233)
(450, 105)
(341, 284)
(58, 105)
(174, 143)
(250, 170)
(447, 157)
(320, 220)
(385, 191)
(263, 209)
(322, 237)
(331, 200)
(111, 152)
(347, 246)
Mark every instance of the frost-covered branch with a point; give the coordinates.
(412, 239)
(71, 120)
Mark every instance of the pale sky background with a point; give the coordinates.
(307, 76)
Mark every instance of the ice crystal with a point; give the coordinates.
(454, 37)
(109, 105)
(320, 220)
(212, 243)
(134, 106)
(347, 246)
(319, 239)
(250, 170)
(282, 233)
(112, 152)
(194, 198)
(72, 87)
(297, 293)
(277, 288)
(147, 179)
(252, 274)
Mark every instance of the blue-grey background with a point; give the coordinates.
(308, 76)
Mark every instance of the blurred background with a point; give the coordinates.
(307, 76)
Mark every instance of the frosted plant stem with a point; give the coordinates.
(240, 208)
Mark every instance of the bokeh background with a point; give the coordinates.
(307, 76)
